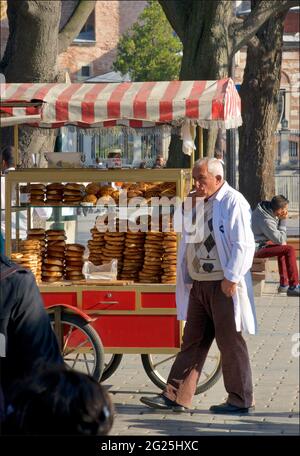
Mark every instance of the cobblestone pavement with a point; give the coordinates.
(275, 377)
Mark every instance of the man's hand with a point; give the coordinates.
(284, 214)
(228, 288)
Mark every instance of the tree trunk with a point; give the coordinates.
(259, 94)
(206, 50)
(32, 48)
(31, 56)
(31, 52)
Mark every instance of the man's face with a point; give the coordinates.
(205, 183)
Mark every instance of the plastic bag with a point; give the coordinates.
(107, 271)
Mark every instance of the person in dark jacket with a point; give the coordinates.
(26, 336)
(269, 228)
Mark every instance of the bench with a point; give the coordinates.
(258, 273)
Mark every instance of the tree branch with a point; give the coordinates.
(75, 24)
(177, 13)
(242, 33)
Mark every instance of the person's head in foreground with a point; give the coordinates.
(59, 401)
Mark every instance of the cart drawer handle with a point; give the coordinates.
(108, 302)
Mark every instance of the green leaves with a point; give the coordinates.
(150, 50)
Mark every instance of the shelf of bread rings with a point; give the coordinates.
(148, 256)
(93, 193)
(142, 257)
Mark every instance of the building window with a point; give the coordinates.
(281, 105)
(278, 152)
(293, 150)
(84, 72)
(87, 33)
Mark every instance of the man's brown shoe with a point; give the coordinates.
(229, 409)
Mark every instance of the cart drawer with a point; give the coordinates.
(141, 331)
(158, 300)
(108, 300)
(59, 298)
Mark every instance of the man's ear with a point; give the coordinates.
(219, 179)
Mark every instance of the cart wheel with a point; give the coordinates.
(158, 366)
(111, 364)
(82, 348)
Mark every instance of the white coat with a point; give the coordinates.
(236, 246)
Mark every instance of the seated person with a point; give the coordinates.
(58, 401)
(269, 228)
(159, 162)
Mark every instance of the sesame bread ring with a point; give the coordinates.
(93, 188)
(36, 231)
(137, 235)
(73, 271)
(153, 243)
(37, 187)
(54, 261)
(169, 244)
(15, 256)
(55, 232)
(75, 265)
(52, 279)
(152, 261)
(114, 235)
(55, 254)
(56, 248)
(56, 238)
(56, 243)
(55, 186)
(29, 246)
(56, 196)
(150, 234)
(170, 249)
(169, 274)
(74, 186)
(51, 274)
(169, 239)
(75, 247)
(51, 267)
(153, 251)
(37, 192)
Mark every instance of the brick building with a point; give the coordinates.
(287, 135)
(93, 52)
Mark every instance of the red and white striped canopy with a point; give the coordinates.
(14, 113)
(137, 104)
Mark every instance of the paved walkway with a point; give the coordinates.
(275, 378)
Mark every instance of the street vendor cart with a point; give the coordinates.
(138, 315)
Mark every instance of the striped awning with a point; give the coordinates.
(136, 104)
(15, 112)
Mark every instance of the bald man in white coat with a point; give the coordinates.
(220, 304)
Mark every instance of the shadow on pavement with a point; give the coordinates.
(243, 427)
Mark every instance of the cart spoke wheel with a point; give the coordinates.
(111, 363)
(82, 346)
(157, 367)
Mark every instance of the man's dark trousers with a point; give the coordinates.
(211, 315)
